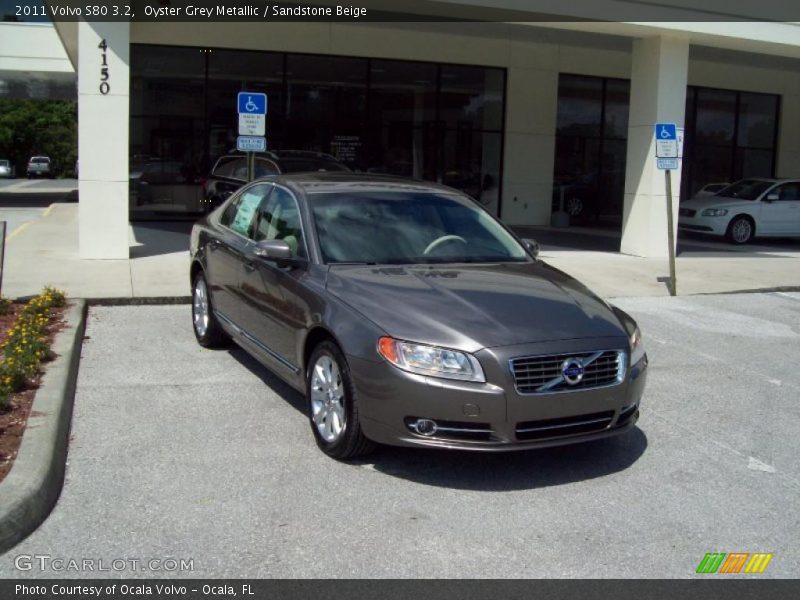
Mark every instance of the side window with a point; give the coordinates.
(279, 219)
(226, 218)
(264, 167)
(789, 191)
(246, 206)
(227, 166)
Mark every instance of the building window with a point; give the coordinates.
(730, 135)
(430, 121)
(591, 145)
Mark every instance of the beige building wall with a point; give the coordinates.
(533, 62)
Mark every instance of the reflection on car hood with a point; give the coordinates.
(713, 201)
(474, 306)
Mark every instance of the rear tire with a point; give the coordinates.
(206, 327)
(333, 411)
(741, 230)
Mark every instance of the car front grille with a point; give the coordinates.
(552, 428)
(544, 374)
(687, 212)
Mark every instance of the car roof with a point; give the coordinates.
(323, 182)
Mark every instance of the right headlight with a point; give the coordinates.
(637, 347)
(714, 212)
(431, 360)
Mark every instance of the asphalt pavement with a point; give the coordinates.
(184, 453)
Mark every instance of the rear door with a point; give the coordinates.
(782, 216)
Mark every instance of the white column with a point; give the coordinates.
(103, 120)
(658, 94)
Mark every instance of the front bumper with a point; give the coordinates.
(494, 416)
(707, 225)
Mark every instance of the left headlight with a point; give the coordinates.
(431, 360)
(637, 347)
(714, 212)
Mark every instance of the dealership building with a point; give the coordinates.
(526, 117)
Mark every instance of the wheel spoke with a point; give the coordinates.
(327, 397)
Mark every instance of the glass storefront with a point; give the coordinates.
(430, 121)
(591, 143)
(729, 135)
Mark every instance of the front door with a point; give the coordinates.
(274, 305)
(782, 216)
(225, 254)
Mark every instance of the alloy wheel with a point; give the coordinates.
(327, 399)
(200, 310)
(741, 231)
(574, 207)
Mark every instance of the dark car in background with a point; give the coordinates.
(408, 315)
(230, 172)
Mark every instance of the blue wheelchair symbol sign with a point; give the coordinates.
(666, 131)
(252, 103)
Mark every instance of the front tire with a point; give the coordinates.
(741, 230)
(207, 330)
(333, 404)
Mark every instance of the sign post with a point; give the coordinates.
(252, 108)
(667, 159)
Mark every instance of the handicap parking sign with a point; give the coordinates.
(252, 103)
(666, 140)
(665, 131)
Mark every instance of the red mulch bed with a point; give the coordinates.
(14, 416)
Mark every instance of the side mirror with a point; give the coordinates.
(771, 197)
(532, 246)
(277, 250)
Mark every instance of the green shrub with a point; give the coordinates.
(25, 346)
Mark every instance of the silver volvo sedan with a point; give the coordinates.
(410, 316)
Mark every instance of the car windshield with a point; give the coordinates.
(393, 227)
(746, 189)
(4, 163)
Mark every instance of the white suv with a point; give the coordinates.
(745, 209)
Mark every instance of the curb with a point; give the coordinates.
(32, 487)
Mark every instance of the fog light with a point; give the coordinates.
(424, 427)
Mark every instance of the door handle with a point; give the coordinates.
(213, 244)
(249, 266)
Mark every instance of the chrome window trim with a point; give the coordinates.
(622, 372)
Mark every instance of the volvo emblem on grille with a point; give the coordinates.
(572, 370)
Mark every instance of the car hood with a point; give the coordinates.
(715, 202)
(473, 307)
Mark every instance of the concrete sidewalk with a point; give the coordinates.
(46, 253)
(37, 186)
